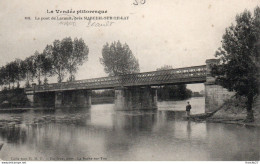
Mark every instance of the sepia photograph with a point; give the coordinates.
(132, 80)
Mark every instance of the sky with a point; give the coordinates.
(179, 33)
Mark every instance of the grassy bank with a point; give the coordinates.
(234, 112)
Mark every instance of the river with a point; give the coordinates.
(101, 133)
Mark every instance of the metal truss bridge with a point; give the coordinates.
(187, 75)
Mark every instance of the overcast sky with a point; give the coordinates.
(180, 33)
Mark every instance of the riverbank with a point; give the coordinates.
(226, 119)
(23, 110)
(14, 110)
(233, 121)
(234, 112)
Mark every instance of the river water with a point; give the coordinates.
(101, 133)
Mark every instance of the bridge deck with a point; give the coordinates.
(196, 74)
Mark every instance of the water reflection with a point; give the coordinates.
(13, 134)
(100, 131)
(134, 121)
(233, 142)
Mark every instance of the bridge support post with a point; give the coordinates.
(31, 94)
(30, 97)
(136, 98)
(58, 99)
(215, 95)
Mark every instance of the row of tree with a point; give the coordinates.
(59, 58)
(64, 57)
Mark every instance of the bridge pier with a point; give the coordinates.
(215, 95)
(58, 99)
(135, 98)
(30, 95)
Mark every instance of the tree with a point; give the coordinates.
(4, 75)
(30, 70)
(238, 67)
(38, 64)
(172, 92)
(58, 52)
(43, 65)
(66, 56)
(19, 71)
(183, 92)
(76, 57)
(47, 67)
(11, 72)
(118, 59)
(2, 82)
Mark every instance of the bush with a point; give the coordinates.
(235, 105)
(13, 98)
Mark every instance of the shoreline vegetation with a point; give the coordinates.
(233, 111)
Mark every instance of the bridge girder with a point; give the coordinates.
(188, 75)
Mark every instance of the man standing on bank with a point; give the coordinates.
(188, 108)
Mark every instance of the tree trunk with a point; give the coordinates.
(39, 78)
(45, 81)
(59, 78)
(250, 114)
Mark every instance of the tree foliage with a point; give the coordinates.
(29, 67)
(118, 59)
(60, 58)
(12, 71)
(46, 68)
(238, 67)
(19, 73)
(59, 51)
(67, 55)
(172, 92)
(77, 56)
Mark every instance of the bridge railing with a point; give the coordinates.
(165, 75)
(87, 83)
(146, 78)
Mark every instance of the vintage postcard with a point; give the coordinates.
(132, 80)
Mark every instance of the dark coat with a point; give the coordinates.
(188, 107)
